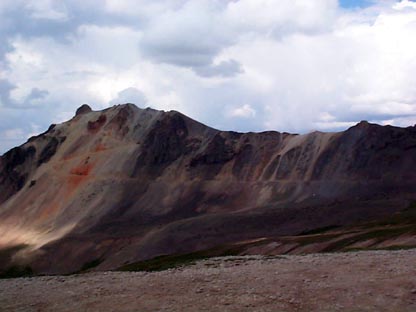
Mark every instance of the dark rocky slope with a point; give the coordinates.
(124, 184)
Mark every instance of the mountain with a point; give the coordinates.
(115, 187)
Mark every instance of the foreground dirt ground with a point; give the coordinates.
(355, 281)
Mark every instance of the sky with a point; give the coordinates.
(354, 3)
(242, 65)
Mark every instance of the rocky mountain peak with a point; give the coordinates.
(83, 109)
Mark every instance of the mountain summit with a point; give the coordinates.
(125, 184)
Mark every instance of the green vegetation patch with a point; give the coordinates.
(379, 235)
(395, 247)
(316, 238)
(166, 262)
(401, 223)
(320, 230)
(89, 265)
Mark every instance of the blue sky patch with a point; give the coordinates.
(354, 3)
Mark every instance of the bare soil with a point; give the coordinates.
(354, 281)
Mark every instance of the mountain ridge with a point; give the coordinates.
(127, 184)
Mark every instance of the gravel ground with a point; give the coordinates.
(359, 281)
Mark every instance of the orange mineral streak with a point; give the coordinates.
(81, 170)
(100, 147)
(78, 175)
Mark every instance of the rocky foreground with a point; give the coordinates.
(354, 281)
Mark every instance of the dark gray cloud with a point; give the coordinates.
(192, 37)
(21, 19)
(34, 95)
(186, 54)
